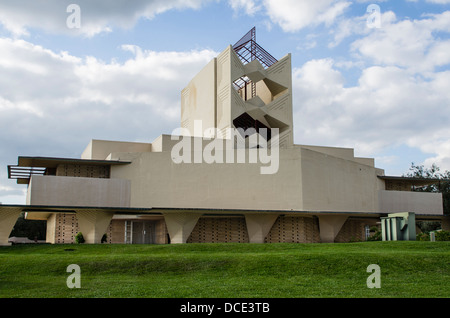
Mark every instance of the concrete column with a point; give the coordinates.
(93, 224)
(180, 225)
(329, 226)
(8, 218)
(51, 229)
(259, 225)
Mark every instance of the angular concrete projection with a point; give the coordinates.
(180, 225)
(93, 224)
(329, 226)
(399, 227)
(255, 71)
(8, 218)
(274, 87)
(259, 225)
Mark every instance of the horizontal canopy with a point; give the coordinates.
(28, 166)
(414, 181)
(40, 212)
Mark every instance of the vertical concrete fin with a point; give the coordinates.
(8, 218)
(180, 225)
(329, 226)
(259, 225)
(93, 224)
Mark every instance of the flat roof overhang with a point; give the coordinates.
(39, 212)
(414, 180)
(28, 166)
(53, 162)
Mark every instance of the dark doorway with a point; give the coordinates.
(143, 232)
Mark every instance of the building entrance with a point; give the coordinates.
(140, 232)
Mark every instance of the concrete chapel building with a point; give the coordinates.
(232, 174)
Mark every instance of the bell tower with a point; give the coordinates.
(243, 87)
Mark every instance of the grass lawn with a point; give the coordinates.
(408, 269)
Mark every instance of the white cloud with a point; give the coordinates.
(442, 159)
(7, 190)
(249, 7)
(348, 27)
(293, 15)
(411, 44)
(98, 16)
(387, 108)
(41, 77)
(58, 102)
(438, 1)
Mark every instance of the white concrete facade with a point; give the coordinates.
(417, 202)
(78, 191)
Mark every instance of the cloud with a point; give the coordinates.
(411, 44)
(294, 15)
(10, 191)
(442, 158)
(57, 103)
(60, 88)
(387, 108)
(103, 16)
(96, 17)
(400, 98)
(249, 7)
(438, 1)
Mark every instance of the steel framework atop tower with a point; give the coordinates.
(248, 50)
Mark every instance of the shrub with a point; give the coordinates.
(376, 236)
(79, 239)
(422, 237)
(439, 236)
(442, 235)
(104, 238)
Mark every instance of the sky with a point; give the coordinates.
(368, 75)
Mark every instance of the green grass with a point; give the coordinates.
(408, 269)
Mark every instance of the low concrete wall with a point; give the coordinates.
(75, 191)
(408, 201)
(100, 149)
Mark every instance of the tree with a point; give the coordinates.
(426, 173)
(442, 186)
